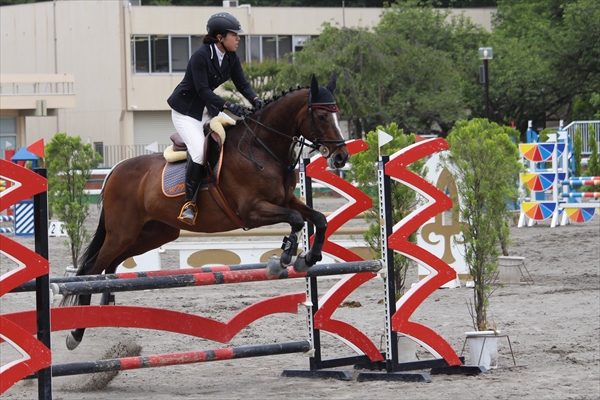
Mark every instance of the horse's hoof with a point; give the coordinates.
(274, 267)
(72, 343)
(300, 265)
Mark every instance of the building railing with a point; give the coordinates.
(584, 126)
(37, 84)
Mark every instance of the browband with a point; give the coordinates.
(331, 107)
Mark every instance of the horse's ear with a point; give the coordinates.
(314, 86)
(332, 81)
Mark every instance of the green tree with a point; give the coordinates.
(545, 59)
(485, 165)
(404, 199)
(409, 69)
(577, 149)
(70, 163)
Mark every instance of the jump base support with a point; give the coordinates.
(341, 375)
(393, 377)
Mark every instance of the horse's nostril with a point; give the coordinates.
(340, 160)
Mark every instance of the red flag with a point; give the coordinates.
(37, 148)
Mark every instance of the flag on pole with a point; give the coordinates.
(153, 147)
(37, 148)
(383, 137)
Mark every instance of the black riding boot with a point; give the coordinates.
(194, 174)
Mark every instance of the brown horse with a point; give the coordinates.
(257, 178)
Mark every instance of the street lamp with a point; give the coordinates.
(485, 54)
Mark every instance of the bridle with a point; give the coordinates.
(317, 142)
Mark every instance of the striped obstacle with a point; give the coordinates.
(580, 195)
(581, 181)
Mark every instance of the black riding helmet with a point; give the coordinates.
(221, 23)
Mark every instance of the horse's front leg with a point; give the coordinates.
(309, 258)
(265, 213)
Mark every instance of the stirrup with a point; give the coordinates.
(183, 209)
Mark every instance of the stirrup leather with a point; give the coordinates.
(185, 207)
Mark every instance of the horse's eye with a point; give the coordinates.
(321, 117)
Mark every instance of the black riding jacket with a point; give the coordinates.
(202, 76)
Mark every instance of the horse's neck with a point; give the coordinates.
(287, 116)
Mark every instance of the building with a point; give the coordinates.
(103, 69)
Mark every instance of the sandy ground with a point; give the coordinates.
(553, 325)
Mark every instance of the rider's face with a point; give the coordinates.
(230, 41)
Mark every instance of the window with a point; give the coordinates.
(180, 53)
(269, 47)
(99, 148)
(196, 42)
(273, 47)
(164, 54)
(255, 48)
(160, 53)
(140, 54)
(285, 45)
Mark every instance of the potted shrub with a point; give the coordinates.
(485, 164)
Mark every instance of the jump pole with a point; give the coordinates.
(30, 286)
(208, 278)
(188, 357)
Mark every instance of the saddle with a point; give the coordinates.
(173, 178)
(177, 151)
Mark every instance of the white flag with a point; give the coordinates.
(383, 137)
(153, 147)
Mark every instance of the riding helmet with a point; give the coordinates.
(221, 23)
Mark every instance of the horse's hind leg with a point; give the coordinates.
(152, 235)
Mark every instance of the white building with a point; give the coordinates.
(103, 69)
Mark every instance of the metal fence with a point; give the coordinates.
(112, 155)
(584, 126)
(115, 154)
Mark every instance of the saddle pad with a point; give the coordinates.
(173, 178)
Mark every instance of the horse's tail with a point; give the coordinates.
(97, 242)
(93, 248)
(90, 252)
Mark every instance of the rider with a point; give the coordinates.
(194, 102)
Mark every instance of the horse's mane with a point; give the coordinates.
(285, 92)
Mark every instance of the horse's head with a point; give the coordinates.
(324, 121)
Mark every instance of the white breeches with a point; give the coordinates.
(192, 132)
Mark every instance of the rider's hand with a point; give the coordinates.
(235, 109)
(257, 103)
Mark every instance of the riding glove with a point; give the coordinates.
(236, 109)
(257, 103)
